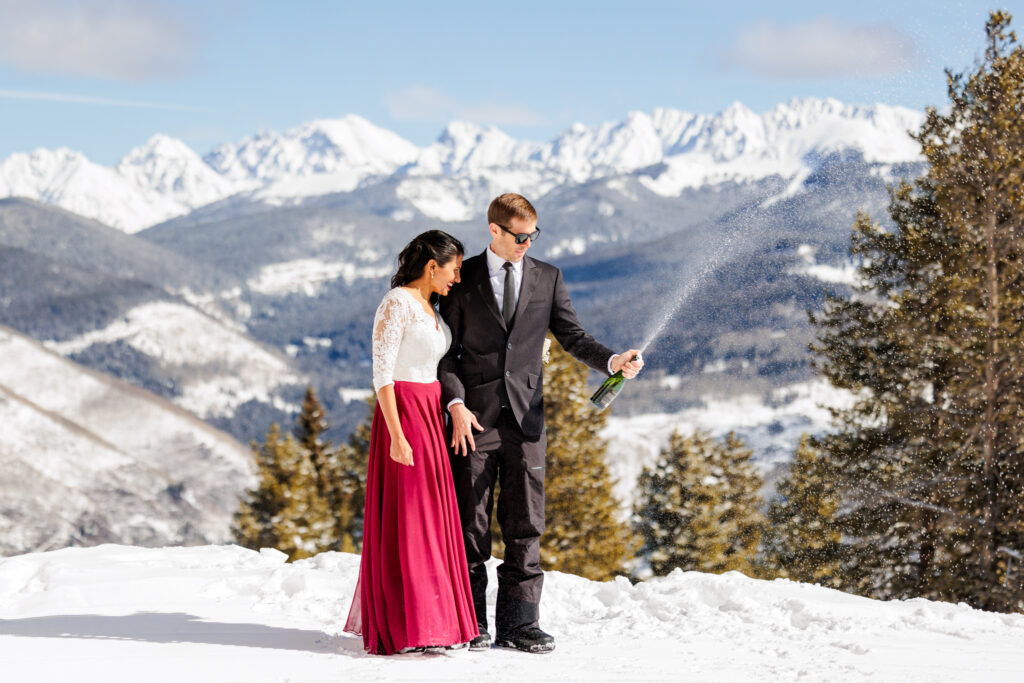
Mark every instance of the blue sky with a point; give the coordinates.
(102, 76)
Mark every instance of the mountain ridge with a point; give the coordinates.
(164, 178)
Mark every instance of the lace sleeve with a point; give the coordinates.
(388, 327)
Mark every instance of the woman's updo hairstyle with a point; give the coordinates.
(432, 244)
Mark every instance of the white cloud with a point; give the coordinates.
(501, 114)
(431, 105)
(821, 48)
(420, 103)
(124, 40)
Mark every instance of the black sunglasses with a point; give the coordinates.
(521, 236)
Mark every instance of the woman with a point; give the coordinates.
(413, 591)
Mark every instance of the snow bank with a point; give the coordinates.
(223, 613)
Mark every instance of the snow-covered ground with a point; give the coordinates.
(223, 613)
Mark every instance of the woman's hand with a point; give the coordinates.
(463, 422)
(401, 451)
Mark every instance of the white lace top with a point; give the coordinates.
(408, 342)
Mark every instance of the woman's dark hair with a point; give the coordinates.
(432, 244)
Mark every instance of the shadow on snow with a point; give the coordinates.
(161, 627)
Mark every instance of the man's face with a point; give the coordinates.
(504, 244)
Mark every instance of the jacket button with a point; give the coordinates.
(510, 346)
(507, 373)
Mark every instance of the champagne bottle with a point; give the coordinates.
(607, 392)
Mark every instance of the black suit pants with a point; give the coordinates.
(504, 455)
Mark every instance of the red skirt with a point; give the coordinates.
(413, 588)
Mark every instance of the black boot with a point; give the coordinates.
(529, 639)
(482, 641)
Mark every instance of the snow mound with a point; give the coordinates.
(216, 613)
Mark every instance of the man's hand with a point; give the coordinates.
(629, 368)
(463, 422)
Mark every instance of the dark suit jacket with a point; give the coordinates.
(489, 366)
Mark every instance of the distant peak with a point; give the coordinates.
(462, 129)
(737, 108)
(160, 145)
(350, 121)
(465, 131)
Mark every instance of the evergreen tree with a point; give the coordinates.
(340, 472)
(285, 511)
(310, 427)
(802, 539)
(741, 518)
(929, 459)
(347, 495)
(585, 534)
(698, 508)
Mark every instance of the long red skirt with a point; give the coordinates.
(413, 588)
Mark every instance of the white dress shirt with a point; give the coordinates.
(496, 271)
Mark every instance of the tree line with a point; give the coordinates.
(917, 490)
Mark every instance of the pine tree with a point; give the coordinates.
(310, 426)
(585, 534)
(929, 459)
(348, 484)
(697, 506)
(285, 511)
(802, 539)
(742, 517)
(340, 472)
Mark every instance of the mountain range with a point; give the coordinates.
(454, 178)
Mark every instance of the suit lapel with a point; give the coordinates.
(525, 288)
(486, 292)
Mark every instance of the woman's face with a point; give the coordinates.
(446, 275)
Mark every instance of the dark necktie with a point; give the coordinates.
(508, 300)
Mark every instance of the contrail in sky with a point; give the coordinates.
(86, 99)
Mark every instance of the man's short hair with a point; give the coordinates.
(508, 206)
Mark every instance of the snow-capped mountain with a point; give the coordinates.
(319, 157)
(169, 170)
(447, 180)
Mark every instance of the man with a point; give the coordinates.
(493, 383)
